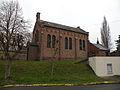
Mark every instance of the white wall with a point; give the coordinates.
(99, 65)
(92, 63)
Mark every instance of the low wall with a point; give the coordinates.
(105, 66)
(21, 55)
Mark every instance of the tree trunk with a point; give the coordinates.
(8, 64)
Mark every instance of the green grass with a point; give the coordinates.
(31, 72)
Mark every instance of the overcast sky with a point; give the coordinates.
(88, 14)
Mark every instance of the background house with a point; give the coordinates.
(97, 49)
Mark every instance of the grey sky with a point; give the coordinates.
(88, 14)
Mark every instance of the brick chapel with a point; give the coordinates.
(55, 41)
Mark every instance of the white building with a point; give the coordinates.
(105, 66)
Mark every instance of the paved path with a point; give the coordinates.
(89, 87)
(113, 78)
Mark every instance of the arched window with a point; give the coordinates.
(83, 44)
(53, 41)
(48, 41)
(66, 43)
(80, 44)
(70, 43)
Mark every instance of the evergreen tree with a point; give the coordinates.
(118, 41)
(105, 34)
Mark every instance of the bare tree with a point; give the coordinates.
(27, 38)
(13, 28)
(105, 34)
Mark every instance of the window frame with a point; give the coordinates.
(48, 41)
(66, 43)
(109, 68)
(53, 41)
(80, 44)
(70, 43)
(84, 45)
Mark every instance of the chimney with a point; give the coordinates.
(97, 41)
(78, 27)
(37, 16)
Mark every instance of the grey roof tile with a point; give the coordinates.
(101, 47)
(64, 27)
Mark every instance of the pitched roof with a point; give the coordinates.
(63, 27)
(101, 47)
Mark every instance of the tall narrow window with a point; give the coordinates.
(80, 44)
(70, 43)
(83, 44)
(48, 41)
(66, 43)
(53, 41)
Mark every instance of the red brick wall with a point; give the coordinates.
(62, 52)
(102, 53)
(32, 53)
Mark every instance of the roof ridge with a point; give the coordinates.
(57, 23)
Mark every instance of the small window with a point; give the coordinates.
(70, 43)
(109, 69)
(53, 41)
(48, 41)
(80, 44)
(66, 43)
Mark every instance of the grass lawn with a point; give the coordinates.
(32, 72)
